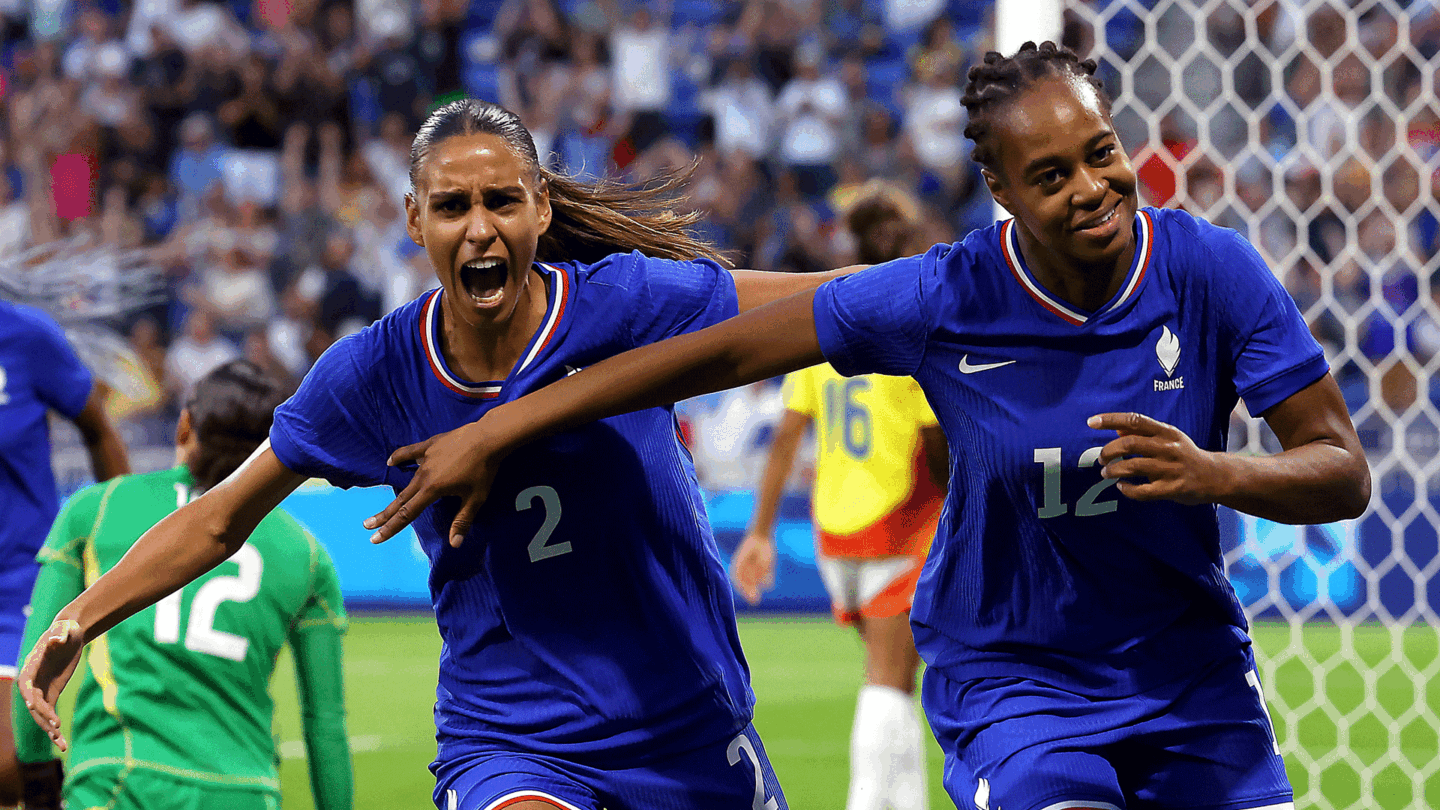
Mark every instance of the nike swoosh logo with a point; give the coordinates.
(966, 367)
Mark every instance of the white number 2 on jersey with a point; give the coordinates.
(551, 500)
(200, 633)
(742, 744)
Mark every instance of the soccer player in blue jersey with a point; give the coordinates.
(1083, 358)
(39, 372)
(590, 652)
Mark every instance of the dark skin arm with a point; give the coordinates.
(753, 288)
(1321, 475)
(102, 441)
(759, 344)
(756, 288)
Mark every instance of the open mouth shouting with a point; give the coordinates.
(483, 280)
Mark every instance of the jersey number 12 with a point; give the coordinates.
(200, 633)
(1053, 506)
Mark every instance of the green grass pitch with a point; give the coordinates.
(806, 673)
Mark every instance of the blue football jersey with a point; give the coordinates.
(588, 609)
(38, 372)
(1041, 568)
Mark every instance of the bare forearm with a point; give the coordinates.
(175, 551)
(756, 288)
(766, 342)
(1314, 483)
(777, 470)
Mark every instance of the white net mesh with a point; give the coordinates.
(1313, 128)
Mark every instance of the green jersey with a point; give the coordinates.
(182, 687)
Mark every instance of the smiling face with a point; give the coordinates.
(479, 209)
(1064, 175)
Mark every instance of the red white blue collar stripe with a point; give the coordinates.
(559, 291)
(1010, 246)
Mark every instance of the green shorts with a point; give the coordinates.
(102, 788)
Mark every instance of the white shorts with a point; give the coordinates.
(870, 587)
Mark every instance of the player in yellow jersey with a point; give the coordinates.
(880, 472)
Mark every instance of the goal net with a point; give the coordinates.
(1311, 127)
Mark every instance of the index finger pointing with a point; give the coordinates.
(1125, 423)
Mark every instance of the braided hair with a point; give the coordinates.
(999, 79)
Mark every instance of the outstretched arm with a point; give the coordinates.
(187, 543)
(756, 288)
(765, 342)
(1320, 475)
(753, 566)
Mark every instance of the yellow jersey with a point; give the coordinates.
(873, 494)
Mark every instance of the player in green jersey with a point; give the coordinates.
(175, 710)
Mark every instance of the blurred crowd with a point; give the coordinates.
(1315, 131)
(258, 149)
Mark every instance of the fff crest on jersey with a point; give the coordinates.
(1167, 351)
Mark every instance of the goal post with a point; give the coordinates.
(1311, 127)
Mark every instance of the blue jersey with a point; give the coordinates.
(1041, 568)
(588, 609)
(38, 372)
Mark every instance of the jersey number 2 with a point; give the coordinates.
(551, 501)
(742, 743)
(200, 633)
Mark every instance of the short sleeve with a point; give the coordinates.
(668, 298)
(325, 605)
(799, 394)
(877, 320)
(62, 382)
(328, 427)
(65, 544)
(1274, 353)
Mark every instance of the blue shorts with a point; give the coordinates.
(1203, 742)
(731, 775)
(16, 584)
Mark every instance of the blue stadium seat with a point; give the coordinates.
(569, 8)
(481, 81)
(365, 102)
(481, 14)
(697, 12)
(967, 14)
(684, 113)
(885, 78)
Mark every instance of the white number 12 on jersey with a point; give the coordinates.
(1053, 505)
(200, 633)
